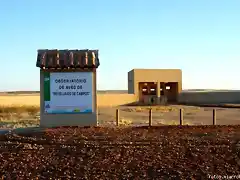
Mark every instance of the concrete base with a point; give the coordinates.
(58, 120)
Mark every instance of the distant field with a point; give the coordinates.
(16, 107)
(119, 91)
(37, 92)
(32, 98)
(19, 100)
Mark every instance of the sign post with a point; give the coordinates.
(68, 88)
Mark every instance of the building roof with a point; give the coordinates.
(143, 69)
(54, 59)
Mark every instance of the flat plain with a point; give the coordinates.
(22, 110)
(158, 152)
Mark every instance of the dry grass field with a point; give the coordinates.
(23, 111)
(19, 100)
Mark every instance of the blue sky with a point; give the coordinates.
(200, 37)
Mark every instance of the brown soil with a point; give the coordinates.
(167, 152)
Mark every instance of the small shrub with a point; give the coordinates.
(125, 122)
(32, 110)
(175, 122)
(165, 109)
(139, 109)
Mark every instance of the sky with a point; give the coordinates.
(200, 37)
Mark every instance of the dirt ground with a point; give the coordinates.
(164, 152)
(193, 115)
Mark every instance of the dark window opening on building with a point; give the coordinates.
(153, 91)
(161, 92)
(144, 91)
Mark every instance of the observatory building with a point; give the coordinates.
(155, 86)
